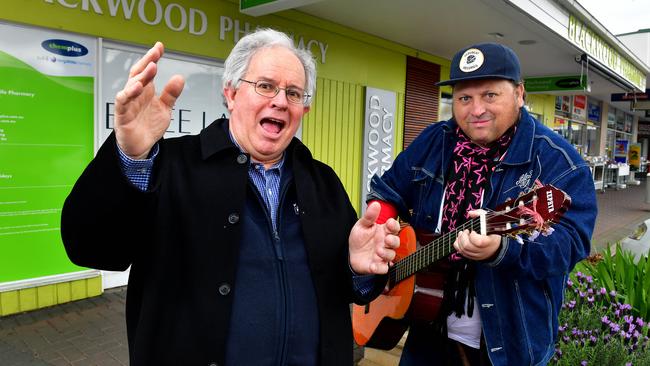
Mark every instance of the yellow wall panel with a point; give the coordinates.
(94, 286)
(9, 303)
(333, 130)
(46, 296)
(78, 290)
(62, 292)
(27, 299)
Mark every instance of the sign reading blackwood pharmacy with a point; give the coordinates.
(598, 48)
(46, 104)
(378, 136)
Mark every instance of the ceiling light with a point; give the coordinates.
(496, 35)
(527, 42)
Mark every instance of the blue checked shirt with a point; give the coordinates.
(267, 182)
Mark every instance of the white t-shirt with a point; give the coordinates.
(466, 330)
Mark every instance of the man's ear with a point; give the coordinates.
(229, 92)
(520, 93)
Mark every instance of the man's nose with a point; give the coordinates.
(280, 99)
(477, 107)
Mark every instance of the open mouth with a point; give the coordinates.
(272, 125)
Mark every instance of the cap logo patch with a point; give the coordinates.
(471, 60)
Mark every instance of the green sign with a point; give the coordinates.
(247, 4)
(263, 7)
(46, 114)
(556, 83)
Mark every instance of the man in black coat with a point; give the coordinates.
(244, 250)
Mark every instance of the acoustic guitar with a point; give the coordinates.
(415, 288)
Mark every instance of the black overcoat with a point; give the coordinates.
(181, 240)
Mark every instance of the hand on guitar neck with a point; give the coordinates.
(475, 246)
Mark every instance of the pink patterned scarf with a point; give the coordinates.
(467, 180)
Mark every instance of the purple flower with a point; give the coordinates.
(605, 320)
(640, 322)
(569, 283)
(590, 279)
(583, 363)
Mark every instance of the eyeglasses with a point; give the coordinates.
(270, 90)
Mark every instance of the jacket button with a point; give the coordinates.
(233, 218)
(224, 289)
(242, 159)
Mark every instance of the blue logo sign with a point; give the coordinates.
(64, 48)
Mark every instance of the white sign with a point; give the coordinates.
(378, 136)
(200, 103)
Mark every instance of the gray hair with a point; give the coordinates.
(236, 64)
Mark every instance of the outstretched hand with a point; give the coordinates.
(372, 245)
(141, 116)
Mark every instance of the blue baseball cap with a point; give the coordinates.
(484, 61)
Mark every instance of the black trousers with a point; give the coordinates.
(426, 345)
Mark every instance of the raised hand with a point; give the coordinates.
(372, 245)
(141, 116)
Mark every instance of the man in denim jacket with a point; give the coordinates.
(503, 297)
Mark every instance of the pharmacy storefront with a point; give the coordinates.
(61, 63)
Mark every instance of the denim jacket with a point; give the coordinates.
(520, 291)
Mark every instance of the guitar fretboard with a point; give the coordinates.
(428, 254)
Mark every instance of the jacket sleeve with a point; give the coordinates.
(105, 219)
(570, 241)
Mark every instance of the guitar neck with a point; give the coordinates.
(429, 253)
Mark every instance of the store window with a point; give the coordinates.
(574, 120)
(611, 118)
(445, 107)
(619, 132)
(200, 103)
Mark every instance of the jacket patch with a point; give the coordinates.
(524, 180)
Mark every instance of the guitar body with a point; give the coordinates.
(382, 323)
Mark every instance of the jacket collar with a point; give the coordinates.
(520, 150)
(215, 139)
